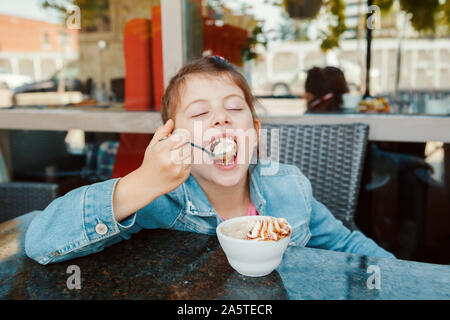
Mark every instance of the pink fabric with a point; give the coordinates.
(251, 211)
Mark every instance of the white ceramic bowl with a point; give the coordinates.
(250, 258)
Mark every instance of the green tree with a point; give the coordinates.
(90, 10)
(331, 37)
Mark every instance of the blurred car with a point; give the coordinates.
(71, 81)
(11, 80)
(293, 83)
(281, 84)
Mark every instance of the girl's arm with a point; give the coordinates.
(90, 218)
(327, 232)
(80, 223)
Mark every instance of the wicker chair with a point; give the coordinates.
(17, 198)
(330, 156)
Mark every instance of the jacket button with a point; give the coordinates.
(101, 229)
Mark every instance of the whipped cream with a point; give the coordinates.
(268, 228)
(226, 148)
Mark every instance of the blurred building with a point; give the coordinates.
(101, 41)
(425, 65)
(420, 63)
(35, 48)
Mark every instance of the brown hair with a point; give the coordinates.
(320, 82)
(209, 65)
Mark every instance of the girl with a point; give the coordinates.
(179, 187)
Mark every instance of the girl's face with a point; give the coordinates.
(214, 107)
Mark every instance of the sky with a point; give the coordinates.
(28, 9)
(32, 9)
(272, 15)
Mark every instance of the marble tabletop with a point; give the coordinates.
(167, 264)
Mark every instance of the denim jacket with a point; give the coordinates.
(82, 222)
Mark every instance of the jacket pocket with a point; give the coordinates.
(300, 235)
(196, 223)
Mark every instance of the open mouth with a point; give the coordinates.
(226, 150)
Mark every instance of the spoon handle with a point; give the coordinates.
(203, 149)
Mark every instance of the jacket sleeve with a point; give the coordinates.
(327, 232)
(80, 223)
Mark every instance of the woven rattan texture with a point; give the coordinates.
(17, 198)
(330, 156)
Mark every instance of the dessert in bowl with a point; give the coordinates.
(254, 245)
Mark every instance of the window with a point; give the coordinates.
(45, 40)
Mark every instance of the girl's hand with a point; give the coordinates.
(166, 165)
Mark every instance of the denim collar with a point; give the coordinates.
(256, 196)
(197, 202)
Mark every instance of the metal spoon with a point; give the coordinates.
(210, 153)
(213, 155)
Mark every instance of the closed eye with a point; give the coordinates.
(199, 114)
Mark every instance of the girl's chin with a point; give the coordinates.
(229, 176)
(227, 181)
(226, 176)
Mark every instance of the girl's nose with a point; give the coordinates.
(221, 119)
(221, 123)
